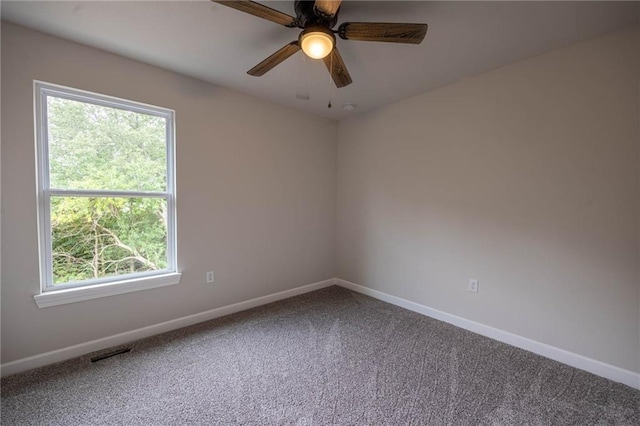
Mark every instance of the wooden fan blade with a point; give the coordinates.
(382, 31)
(337, 69)
(326, 8)
(274, 59)
(261, 11)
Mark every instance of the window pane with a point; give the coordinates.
(95, 237)
(98, 147)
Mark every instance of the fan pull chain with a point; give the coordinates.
(330, 76)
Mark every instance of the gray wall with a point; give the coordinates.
(255, 189)
(526, 178)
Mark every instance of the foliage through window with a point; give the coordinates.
(106, 201)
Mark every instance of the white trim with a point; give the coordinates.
(96, 98)
(77, 294)
(105, 193)
(598, 368)
(62, 354)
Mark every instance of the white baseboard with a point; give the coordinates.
(599, 368)
(574, 360)
(46, 358)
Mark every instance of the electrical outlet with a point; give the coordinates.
(209, 277)
(473, 285)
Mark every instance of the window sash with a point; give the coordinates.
(41, 92)
(110, 278)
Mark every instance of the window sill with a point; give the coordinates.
(62, 297)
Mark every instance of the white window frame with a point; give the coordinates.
(106, 286)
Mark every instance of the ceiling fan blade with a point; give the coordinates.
(274, 59)
(337, 69)
(382, 31)
(326, 8)
(261, 11)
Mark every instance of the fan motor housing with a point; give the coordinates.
(306, 15)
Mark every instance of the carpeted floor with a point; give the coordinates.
(331, 357)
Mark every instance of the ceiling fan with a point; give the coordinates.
(317, 40)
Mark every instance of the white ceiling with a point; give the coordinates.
(217, 44)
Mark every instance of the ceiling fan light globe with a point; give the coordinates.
(317, 44)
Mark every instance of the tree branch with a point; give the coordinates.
(136, 255)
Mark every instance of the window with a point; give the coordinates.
(106, 200)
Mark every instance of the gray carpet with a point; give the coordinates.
(330, 357)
